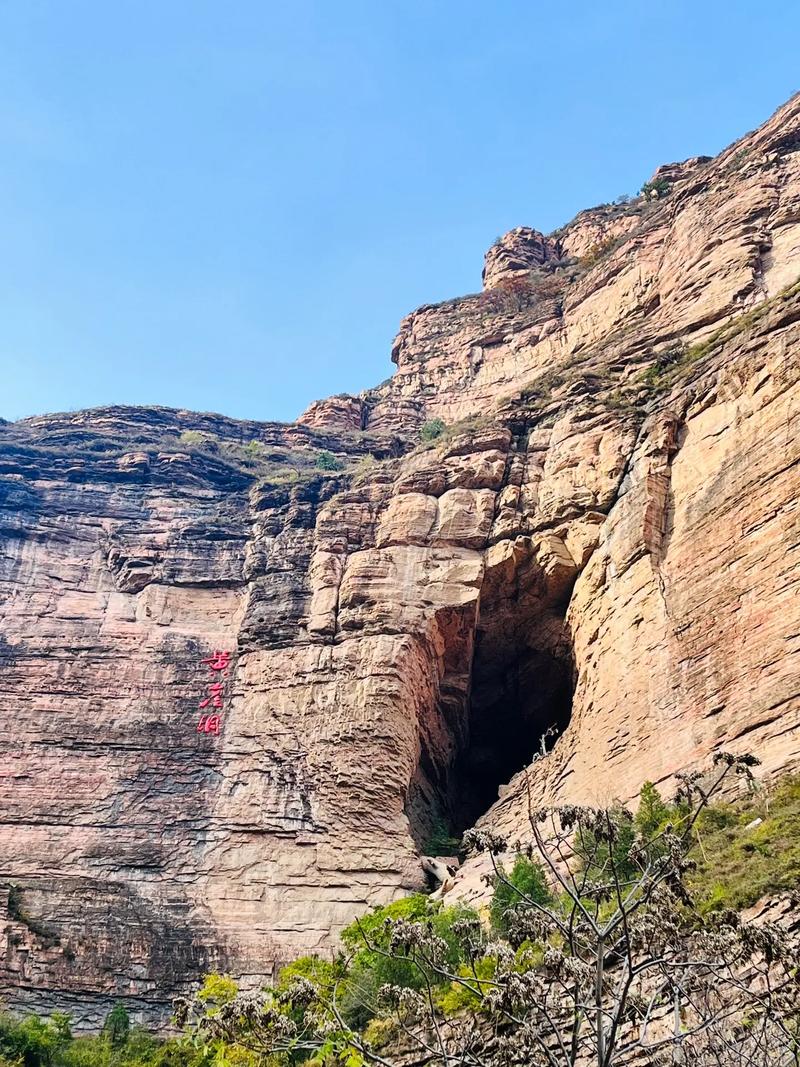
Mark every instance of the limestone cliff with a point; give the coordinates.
(605, 541)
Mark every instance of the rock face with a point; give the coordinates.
(514, 255)
(604, 542)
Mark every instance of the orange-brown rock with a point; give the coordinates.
(514, 255)
(604, 540)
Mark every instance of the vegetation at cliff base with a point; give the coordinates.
(655, 887)
(36, 1042)
(602, 955)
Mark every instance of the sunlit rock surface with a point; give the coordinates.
(604, 541)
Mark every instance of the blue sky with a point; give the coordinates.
(230, 206)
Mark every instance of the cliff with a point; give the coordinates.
(603, 547)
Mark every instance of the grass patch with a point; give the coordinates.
(737, 862)
(670, 365)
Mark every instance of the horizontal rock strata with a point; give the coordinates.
(603, 541)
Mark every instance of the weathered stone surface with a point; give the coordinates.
(336, 412)
(514, 255)
(609, 512)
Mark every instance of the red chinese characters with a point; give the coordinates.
(214, 696)
(218, 664)
(219, 661)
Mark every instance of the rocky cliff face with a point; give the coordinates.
(603, 544)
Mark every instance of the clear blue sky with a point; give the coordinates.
(229, 206)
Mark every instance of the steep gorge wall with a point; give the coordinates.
(605, 540)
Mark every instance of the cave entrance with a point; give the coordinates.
(520, 687)
(520, 698)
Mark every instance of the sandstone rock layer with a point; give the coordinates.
(604, 542)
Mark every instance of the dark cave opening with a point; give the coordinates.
(517, 702)
(506, 690)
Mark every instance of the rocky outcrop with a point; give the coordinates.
(514, 255)
(341, 412)
(602, 545)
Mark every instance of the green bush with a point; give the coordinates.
(527, 881)
(32, 1041)
(441, 841)
(369, 969)
(193, 438)
(655, 190)
(326, 461)
(432, 429)
(117, 1026)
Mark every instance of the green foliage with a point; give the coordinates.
(608, 859)
(32, 1041)
(432, 429)
(322, 972)
(737, 862)
(380, 1032)
(599, 250)
(456, 997)
(652, 814)
(672, 363)
(656, 190)
(254, 447)
(441, 841)
(217, 990)
(368, 938)
(193, 438)
(140, 1049)
(36, 1042)
(527, 883)
(364, 469)
(117, 1025)
(326, 461)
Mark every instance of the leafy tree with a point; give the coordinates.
(652, 813)
(117, 1026)
(526, 882)
(33, 1041)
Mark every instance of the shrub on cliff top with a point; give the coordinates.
(656, 190)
